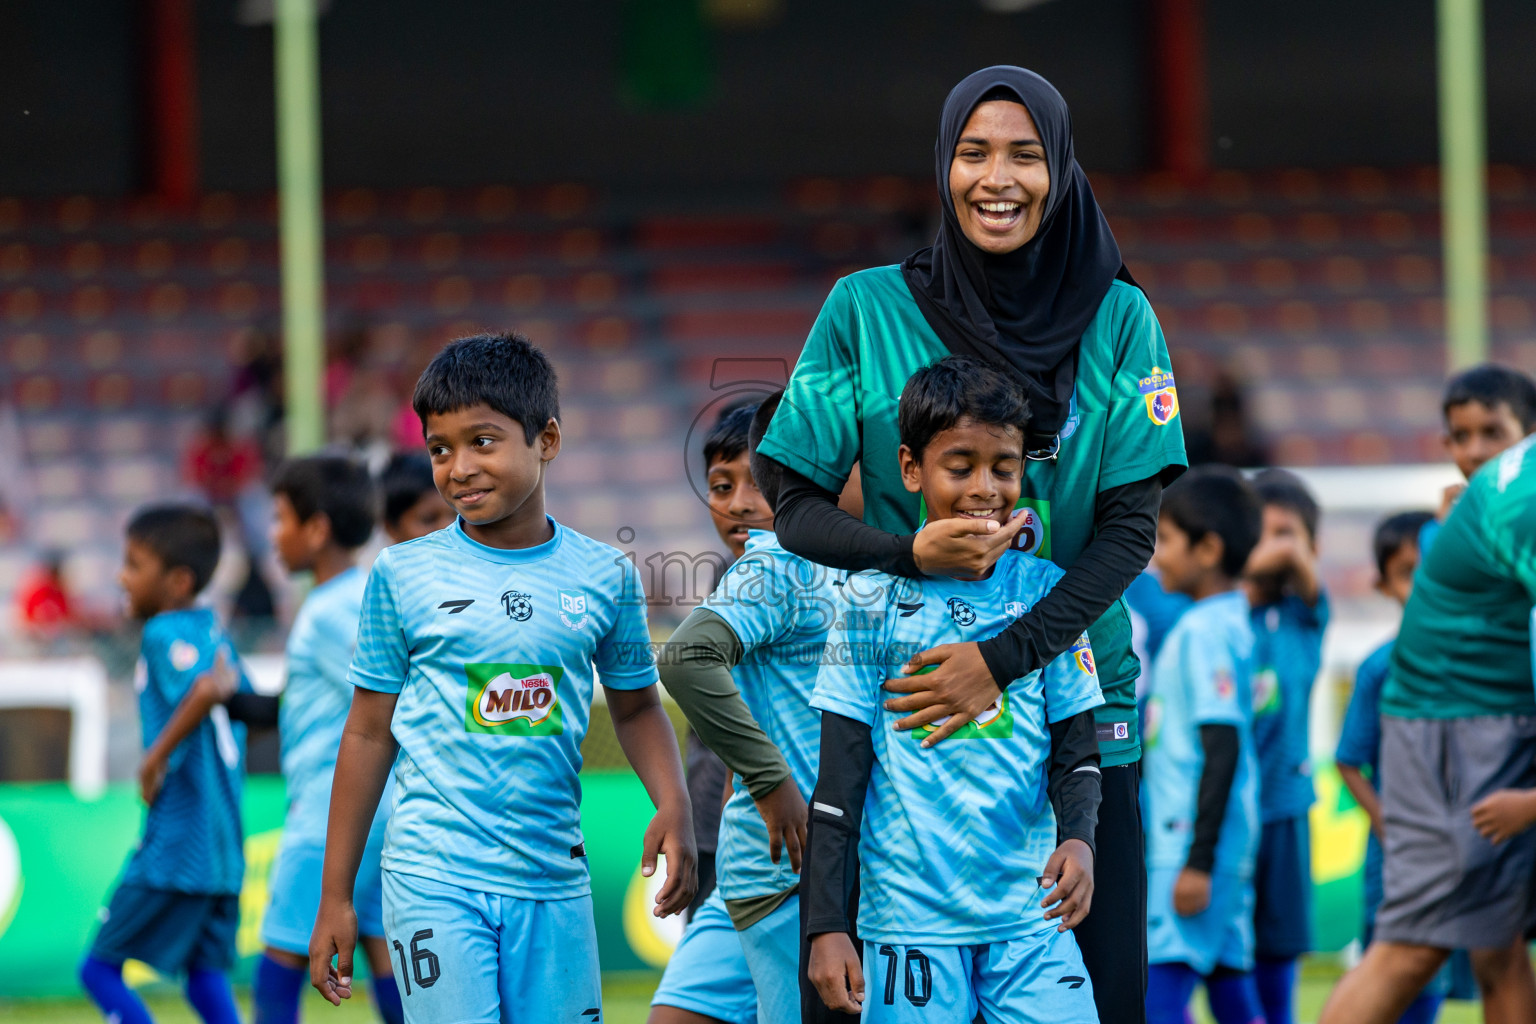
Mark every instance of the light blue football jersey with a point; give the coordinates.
(1203, 675)
(316, 699)
(780, 607)
(494, 653)
(192, 840)
(953, 836)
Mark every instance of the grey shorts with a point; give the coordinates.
(1445, 885)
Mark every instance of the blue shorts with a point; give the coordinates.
(469, 957)
(1037, 979)
(1282, 890)
(772, 950)
(1220, 935)
(173, 932)
(708, 970)
(294, 895)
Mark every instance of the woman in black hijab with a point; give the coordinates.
(1024, 273)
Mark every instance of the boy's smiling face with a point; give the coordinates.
(1475, 433)
(969, 471)
(487, 471)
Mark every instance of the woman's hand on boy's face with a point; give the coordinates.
(1068, 884)
(962, 547)
(957, 691)
(1191, 892)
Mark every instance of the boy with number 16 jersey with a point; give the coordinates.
(477, 654)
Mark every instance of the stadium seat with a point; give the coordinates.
(101, 350)
(84, 260)
(90, 304)
(154, 258)
(76, 214)
(495, 203)
(26, 352)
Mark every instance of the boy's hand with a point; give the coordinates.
(785, 813)
(1191, 892)
(1275, 556)
(1503, 815)
(151, 776)
(958, 690)
(219, 683)
(966, 548)
(670, 834)
(335, 934)
(835, 971)
(1448, 499)
(1068, 881)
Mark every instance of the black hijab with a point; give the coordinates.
(1025, 310)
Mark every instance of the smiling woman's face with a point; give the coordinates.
(998, 178)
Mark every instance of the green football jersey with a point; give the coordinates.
(840, 408)
(1465, 646)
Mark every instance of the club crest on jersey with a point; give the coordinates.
(1082, 654)
(1161, 395)
(961, 612)
(183, 655)
(1014, 609)
(1225, 687)
(573, 608)
(519, 606)
(513, 700)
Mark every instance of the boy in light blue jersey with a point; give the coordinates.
(477, 654)
(323, 511)
(1200, 795)
(960, 845)
(707, 978)
(177, 903)
(1289, 615)
(766, 625)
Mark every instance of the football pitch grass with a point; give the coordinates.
(626, 999)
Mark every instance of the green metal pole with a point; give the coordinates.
(302, 227)
(1463, 177)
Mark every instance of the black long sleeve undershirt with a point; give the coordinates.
(1220, 743)
(1073, 780)
(810, 524)
(831, 866)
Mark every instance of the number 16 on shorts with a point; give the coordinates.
(462, 955)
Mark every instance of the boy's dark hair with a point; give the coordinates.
(181, 536)
(1285, 490)
(1491, 384)
(334, 485)
(728, 437)
(504, 371)
(767, 473)
(940, 395)
(1217, 499)
(403, 480)
(1395, 531)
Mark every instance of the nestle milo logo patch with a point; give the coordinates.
(513, 700)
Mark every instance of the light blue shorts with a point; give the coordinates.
(772, 949)
(708, 970)
(1037, 979)
(466, 957)
(294, 891)
(1221, 935)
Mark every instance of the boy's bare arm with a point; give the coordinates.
(645, 734)
(367, 753)
(1364, 793)
(194, 707)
